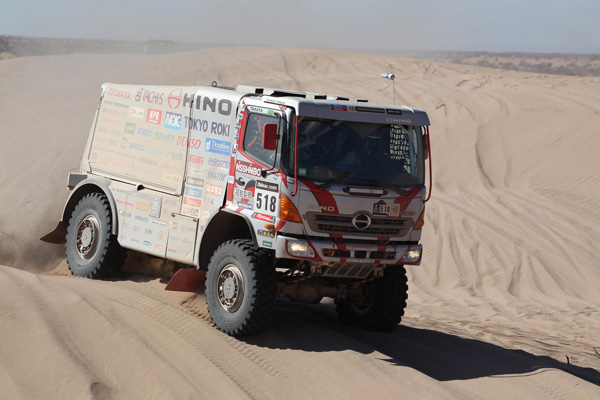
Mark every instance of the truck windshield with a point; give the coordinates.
(361, 154)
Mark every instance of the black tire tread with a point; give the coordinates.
(264, 284)
(391, 292)
(112, 255)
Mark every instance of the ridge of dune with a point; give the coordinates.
(511, 240)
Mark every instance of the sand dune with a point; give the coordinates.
(508, 289)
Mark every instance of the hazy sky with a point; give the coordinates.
(501, 25)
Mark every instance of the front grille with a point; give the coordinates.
(342, 224)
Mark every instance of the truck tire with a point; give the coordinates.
(382, 306)
(241, 286)
(92, 250)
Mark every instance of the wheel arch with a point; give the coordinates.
(87, 186)
(225, 225)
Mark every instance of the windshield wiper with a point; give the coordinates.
(389, 185)
(341, 178)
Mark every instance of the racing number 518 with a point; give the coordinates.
(270, 202)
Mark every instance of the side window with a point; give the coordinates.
(253, 138)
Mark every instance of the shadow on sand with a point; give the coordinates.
(441, 356)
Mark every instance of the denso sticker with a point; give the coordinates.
(154, 116)
(218, 147)
(248, 168)
(173, 121)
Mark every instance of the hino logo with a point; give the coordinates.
(317, 207)
(361, 221)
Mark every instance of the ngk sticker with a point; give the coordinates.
(266, 197)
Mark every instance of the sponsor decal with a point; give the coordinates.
(145, 132)
(155, 205)
(193, 192)
(136, 112)
(382, 208)
(218, 147)
(192, 143)
(147, 243)
(196, 159)
(142, 206)
(129, 128)
(123, 94)
(192, 202)
(215, 162)
(172, 121)
(149, 96)
(190, 211)
(154, 116)
(267, 244)
(170, 178)
(248, 168)
(137, 146)
(220, 129)
(245, 194)
(399, 120)
(197, 182)
(197, 124)
(212, 104)
(174, 98)
(177, 156)
(338, 107)
(268, 186)
(148, 231)
(245, 206)
(214, 189)
(159, 222)
(263, 232)
(217, 176)
(164, 137)
(263, 217)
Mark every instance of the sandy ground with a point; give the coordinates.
(506, 303)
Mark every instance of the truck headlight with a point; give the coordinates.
(300, 248)
(412, 256)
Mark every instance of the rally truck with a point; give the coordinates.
(264, 193)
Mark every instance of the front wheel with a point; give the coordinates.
(241, 286)
(380, 303)
(92, 250)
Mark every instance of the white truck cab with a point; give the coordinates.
(272, 192)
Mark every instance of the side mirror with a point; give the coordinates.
(269, 137)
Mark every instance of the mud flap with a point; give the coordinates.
(58, 235)
(186, 280)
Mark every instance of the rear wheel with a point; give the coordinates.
(379, 304)
(92, 250)
(241, 286)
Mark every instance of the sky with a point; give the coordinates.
(544, 26)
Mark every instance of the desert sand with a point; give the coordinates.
(506, 303)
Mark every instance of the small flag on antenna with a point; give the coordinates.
(388, 75)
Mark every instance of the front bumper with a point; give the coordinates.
(330, 252)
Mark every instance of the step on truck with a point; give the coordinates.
(266, 193)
